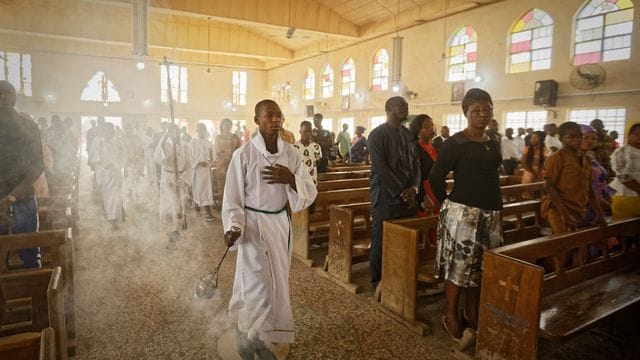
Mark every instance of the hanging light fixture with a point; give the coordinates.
(208, 45)
(396, 63)
(139, 22)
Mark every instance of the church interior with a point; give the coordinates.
(119, 292)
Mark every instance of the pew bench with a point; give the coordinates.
(408, 258)
(522, 192)
(31, 301)
(313, 228)
(29, 346)
(56, 251)
(349, 242)
(521, 221)
(355, 167)
(520, 302)
(343, 184)
(343, 175)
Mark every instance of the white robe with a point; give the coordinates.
(169, 204)
(261, 286)
(202, 188)
(149, 161)
(110, 159)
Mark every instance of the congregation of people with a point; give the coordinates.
(589, 178)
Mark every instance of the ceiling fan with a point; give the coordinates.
(587, 76)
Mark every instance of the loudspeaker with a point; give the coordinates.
(310, 111)
(545, 93)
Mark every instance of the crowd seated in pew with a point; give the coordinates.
(56, 251)
(30, 302)
(581, 287)
(29, 346)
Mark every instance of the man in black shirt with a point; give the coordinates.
(21, 164)
(439, 140)
(323, 138)
(395, 175)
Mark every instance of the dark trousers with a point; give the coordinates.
(23, 218)
(323, 164)
(379, 214)
(509, 166)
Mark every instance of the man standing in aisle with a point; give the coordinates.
(395, 175)
(263, 176)
(323, 138)
(201, 156)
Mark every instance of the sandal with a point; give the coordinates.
(444, 326)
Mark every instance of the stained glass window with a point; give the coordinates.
(179, 83)
(348, 77)
(531, 41)
(327, 81)
(309, 85)
(463, 48)
(603, 31)
(100, 88)
(380, 71)
(239, 88)
(16, 69)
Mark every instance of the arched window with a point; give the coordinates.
(603, 31)
(327, 81)
(463, 48)
(309, 84)
(100, 88)
(348, 77)
(380, 71)
(531, 41)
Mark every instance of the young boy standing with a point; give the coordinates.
(567, 174)
(263, 176)
(201, 152)
(310, 152)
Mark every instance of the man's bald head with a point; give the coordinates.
(7, 94)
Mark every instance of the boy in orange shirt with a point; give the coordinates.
(567, 174)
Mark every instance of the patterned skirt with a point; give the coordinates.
(464, 233)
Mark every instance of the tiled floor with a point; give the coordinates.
(134, 298)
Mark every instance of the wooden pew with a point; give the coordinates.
(31, 301)
(519, 302)
(349, 241)
(343, 184)
(343, 175)
(521, 221)
(519, 192)
(29, 346)
(314, 228)
(408, 257)
(56, 249)
(348, 168)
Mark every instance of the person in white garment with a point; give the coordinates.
(263, 175)
(201, 151)
(111, 158)
(149, 162)
(172, 161)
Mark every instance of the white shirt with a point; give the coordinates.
(310, 155)
(510, 149)
(625, 161)
(552, 141)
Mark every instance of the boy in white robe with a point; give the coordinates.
(110, 159)
(149, 162)
(263, 175)
(171, 207)
(201, 156)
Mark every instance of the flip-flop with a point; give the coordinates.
(444, 326)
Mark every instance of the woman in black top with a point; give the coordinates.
(470, 215)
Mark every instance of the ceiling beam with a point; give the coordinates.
(307, 15)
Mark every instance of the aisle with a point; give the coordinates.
(135, 298)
